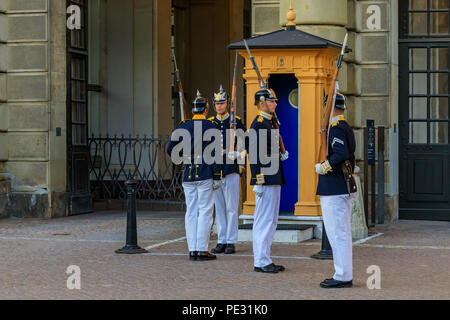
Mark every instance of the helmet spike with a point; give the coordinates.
(221, 96)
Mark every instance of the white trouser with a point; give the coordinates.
(199, 213)
(226, 199)
(265, 221)
(337, 215)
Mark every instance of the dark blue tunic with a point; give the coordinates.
(341, 147)
(224, 125)
(262, 123)
(197, 172)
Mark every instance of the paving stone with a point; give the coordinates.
(36, 254)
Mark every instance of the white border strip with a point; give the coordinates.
(389, 246)
(367, 239)
(223, 255)
(164, 243)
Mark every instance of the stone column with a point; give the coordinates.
(376, 91)
(5, 183)
(33, 113)
(5, 187)
(162, 65)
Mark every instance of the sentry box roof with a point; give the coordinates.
(289, 38)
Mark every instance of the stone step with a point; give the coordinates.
(285, 233)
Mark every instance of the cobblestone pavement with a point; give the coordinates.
(413, 256)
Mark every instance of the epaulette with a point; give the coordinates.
(183, 121)
(239, 118)
(335, 123)
(211, 118)
(260, 119)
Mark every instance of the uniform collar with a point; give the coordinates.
(337, 118)
(263, 114)
(198, 117)
(224, 117)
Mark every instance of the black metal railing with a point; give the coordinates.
(114, 160)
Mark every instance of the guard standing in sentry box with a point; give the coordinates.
(267, 187)
(199, 180)
(226, 198)
(336, 189)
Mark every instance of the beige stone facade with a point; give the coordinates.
(33, 80)
(33, 91)
(129, 58)
(32, 104)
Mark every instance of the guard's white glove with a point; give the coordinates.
(318, 168)
(258, 190)
(323, 168)
(216, 184)
(284, 156)
(233, 155)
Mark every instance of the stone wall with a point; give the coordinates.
(265, 15)
(5, 191)
(32, 103)
(4, 185)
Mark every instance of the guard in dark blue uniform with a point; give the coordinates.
(337, 188)
(199, 179)
(226, 198)
(267, 184)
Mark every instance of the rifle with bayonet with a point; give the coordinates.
(262, 86)
(183, 105)
(233, 108)
(329, 107)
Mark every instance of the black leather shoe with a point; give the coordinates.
(205, 255)
(220, 248)
(331, 283)
(192, 255)
(279, 267)
(230, 249)
(270, 268)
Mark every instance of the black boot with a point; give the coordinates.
(331, 284)
(271, 268)
(279, 267)
(230, 249)
(205, 255)
(193, 255)
(220, 248)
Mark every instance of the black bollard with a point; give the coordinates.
(131, 246)
(326, 253)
